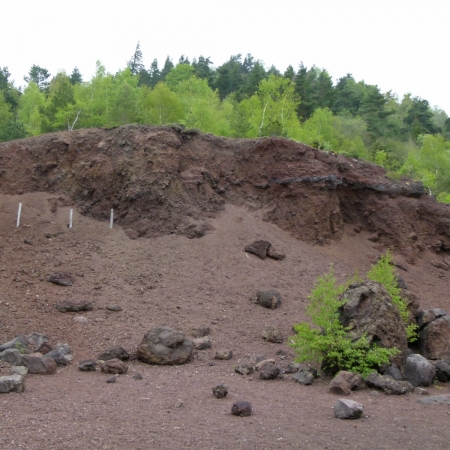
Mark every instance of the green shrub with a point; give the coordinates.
(328, 342)
(383, 272)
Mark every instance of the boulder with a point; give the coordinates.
(63, 279)
(37, 363)
(388, 385)
(242, 409)
(19, 370)
(344, 382)
(114, 352)
(12, 383)
(258, 248)
(369, 311)
(348, 409)
(220, 391)
(442, 371)
(434, 339)
(272, 334)
(114, 366)
(426, 316)
(164, 345)
(269, 299)
(419, 371)
(70, 306)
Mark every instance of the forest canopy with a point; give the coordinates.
(240, 98)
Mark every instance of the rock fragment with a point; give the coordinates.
(220, 391)
(241, 409)
(348, 409)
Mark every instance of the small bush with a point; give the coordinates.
(328, 342)
(383, 272)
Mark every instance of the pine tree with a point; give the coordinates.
(135, 63)
(75, 77)
(40, 76)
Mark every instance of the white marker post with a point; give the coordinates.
(18, 215)
(70, 218)
(111, 220)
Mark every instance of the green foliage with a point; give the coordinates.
(383, 272)
(327, 342)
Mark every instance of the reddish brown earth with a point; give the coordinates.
(167, 187)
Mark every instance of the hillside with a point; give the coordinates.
(185, 206)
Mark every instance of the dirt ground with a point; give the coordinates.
(185, 283)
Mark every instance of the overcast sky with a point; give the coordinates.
(400, 45)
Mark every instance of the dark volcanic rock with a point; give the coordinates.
(241, 409)
(388, 385)
(220, 391)
(272, 334)
(164, 345)
(442, 371)
(369, 311)
(269, 299)
(434, 339)
(258, 248)
(419, 371)
(89, 365)
(70, 306)
(344, 382)
(114, 352)
(347, 409)
(305, 378)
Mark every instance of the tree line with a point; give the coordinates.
(240, 98)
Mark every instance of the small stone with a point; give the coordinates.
(305, 378)
(87, 365)
(269, 299)
(244, 369)
(115, 308)
(268, 370)
(137, 376)
(242, 409)
(114, 352)
(220, 391)
(12, 383)
(115, 366)
(272, 334)
(348, 409)
(63, 279)
(223, 355)
(19, 370)
(202, 343)
(112, 379)
(421, 391)
(179, 404)
(274, 253)
(70, 306)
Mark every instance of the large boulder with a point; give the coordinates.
(37, 363)
(434, 340)
(388, 385)
(419, 371)
(163, 345)
(369, 311)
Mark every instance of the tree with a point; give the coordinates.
(230, 77)
(168, 66)
(256, 75)
(420, 118)
(135, 63)
(75, 77)
(154, 73)
(31, 104)
(184, 60)
(160, 105)
(10, 93)
(10, 128)
(203, 69)
(178, 74)
(39, 76)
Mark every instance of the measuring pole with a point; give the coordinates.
(111, 219)
(18, 214)
(70, 218)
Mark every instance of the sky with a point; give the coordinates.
(399, 45)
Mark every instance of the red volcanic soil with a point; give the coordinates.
(185, 206)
